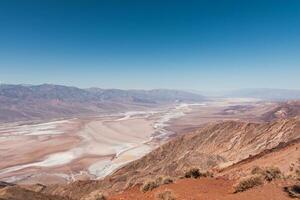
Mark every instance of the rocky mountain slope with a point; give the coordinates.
(20, 102)
(231, 149)
(18, 193)
(285, 156)
(212, 147)
(283, 110)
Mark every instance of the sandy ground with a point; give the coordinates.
(91, 148)
(208, 189)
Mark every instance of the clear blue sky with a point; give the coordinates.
(201, 45)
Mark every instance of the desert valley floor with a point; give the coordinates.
(65, 150)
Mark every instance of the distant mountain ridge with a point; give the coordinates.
(266, 94)
(28, 102)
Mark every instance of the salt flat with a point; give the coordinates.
(85, 147)
(92, 147)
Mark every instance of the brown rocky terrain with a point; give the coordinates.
(208, 189)
(230, 149)
(285, 156)
(212, 147)
(18, 193)
(283, 110)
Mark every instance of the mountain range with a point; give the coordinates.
(34, 102)
(269, 94)
(265, 94)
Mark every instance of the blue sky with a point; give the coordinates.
(200, 45)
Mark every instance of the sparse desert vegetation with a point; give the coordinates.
(296, 169)
(297, 174)
(195, 173)
(165, 195)
(154, 183)
(272, 173)
(268, 173)
(259, 175)
(256, 170)
(208, 174)
(293, 191)
(161, 180)
(149, 185)
(248, 183)
(192, 173)
(96, 195)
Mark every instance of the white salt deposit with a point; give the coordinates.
(99, 143)
(57, 159)
(50, 161)
(49, 128)
(103, 168)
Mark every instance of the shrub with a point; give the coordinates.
(257, 170)
(207, 174)
(248, 183)
(269, 173)
(272, 173)
(297, 174)
(165, 195)
(293, 191)
(195, 173)
(164, 180)
(149, 185)
(167, 180)
(192, 173)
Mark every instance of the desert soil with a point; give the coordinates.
(208, 189)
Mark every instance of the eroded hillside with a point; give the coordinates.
(230, 149)
(212, 147)
(283, 110)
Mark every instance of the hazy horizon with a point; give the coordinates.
(200, 45)
(201, 92)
